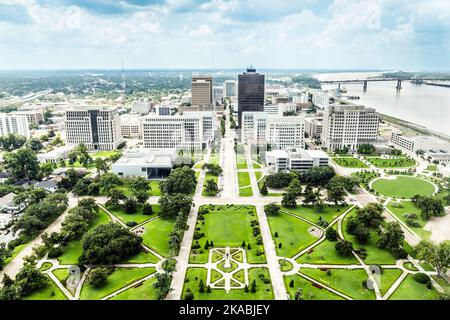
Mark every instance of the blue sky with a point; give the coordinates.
(303, 34)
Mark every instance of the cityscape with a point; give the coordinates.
(250, 182)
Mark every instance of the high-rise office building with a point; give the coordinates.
(97, 127)
(229, 88)
(250, 92)
(202, 90)
(349, 126)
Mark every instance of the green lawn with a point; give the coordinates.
(214, 159)
(142, 291)
(228, 226)
(154, 192)
(15, 252)
(258, 175)
(142, 257)
(120, 277)
(407, 207)
(156, 234)
(293, 234)
(105, 154)
(245, 189)
(50, 292)
(137, 217)
(396, 162)
(241, 161)
(246, 192)
(328, 213)
(348, 282)
(375, 255)
(325, 253)
(432, 168)
(263, 290)
(387, 279)
(309, 291)
(349, 162)
(403, 187)
(73, 249)
(256, 165)
(409, 289)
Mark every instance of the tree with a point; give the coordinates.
(4, 254)
(100, 165)
(263, 190)
(361, 233)
(141, 196)
(271, 209)
(331, 234)
(211, 188)
(366, 148)
(98, 277)
(109, 181)
(295, 187)
(81, 188)
(139, 184)
(289, 200)
(30, 279)
(344, 248)
(109, 244)
(335, 192)
(213, 169)
(318, 176)
(253, 287)
(47, 169)
(171, 205)
(298, 294)
(34, 144)
(392, 237)
(438, 255)
(181, 180)
(371, 215)
(114, 197)
(162, 284)
(130, 205)
(279, 180)
(22, 164)
(11, 142)
(429, 205)
(147, 209)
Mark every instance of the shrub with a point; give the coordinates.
(98, 277)
(55, 252)
(421, 278)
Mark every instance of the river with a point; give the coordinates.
(425, 105)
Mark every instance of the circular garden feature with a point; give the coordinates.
(402, 186)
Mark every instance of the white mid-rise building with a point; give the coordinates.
(349, 126)
(321, 99)
(12, 123)
(229, 88)
(278, 131)
(295, 159)
(97, 127)
(141, 106)
(131, 126)
(56, 154)
(34, 116)
(415, 143)
(217, 94)
(313, 127)
(192, 130)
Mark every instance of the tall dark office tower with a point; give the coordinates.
(250, 92)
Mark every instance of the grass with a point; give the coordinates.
(407, 207)
(156, 234)
(154, 192)
(15, 252)
(73, 249)
(396, 162)
(142, 291)
(119, 278)
(256, 165)
(403, 187)
(245, 188)
(45, 266)
(348, 282)
(375, 255)
(387, 279)
(241, 161)
(258, 175)
(309, 291)
(409, 289)
(137, 217)
(214, 159)
(293, 234)
(263, 290)
(432, 168)
(325, 253)
(228, 225)
(49, 292)
(349, 162)
(143, 257)
(105, 154)
(246, 192)
(309, 213)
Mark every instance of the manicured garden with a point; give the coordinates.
(402, 187)
(405, 210)
(328, 213)
(156, 234)
(290, 234)
(325, 253)
(227, 226)
(241, 161)
(49, 292)
(245, 188)
(391, 162)
(410, 289)
(143, 291)
(259, 275)
(349, 162)
(137, 217)
(295, 283)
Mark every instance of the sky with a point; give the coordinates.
(294, 34)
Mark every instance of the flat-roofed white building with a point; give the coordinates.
(131, 126)
(321, 99)
(56, 154)
(229, 88)
(34, 116)
(217, 93)
(12, 123)
(141, 107)
(295, 159)
(313, 127)
(349, 126)
(278, 131)
(97, 127)
(415, 143)
(150, 164)
(191, 130)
